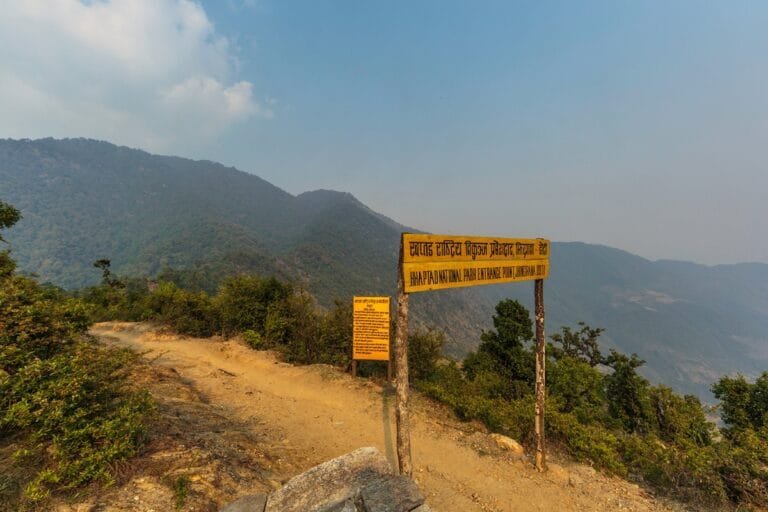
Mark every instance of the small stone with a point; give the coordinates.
(575, 480)
(509, 444)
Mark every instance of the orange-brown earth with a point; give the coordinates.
(234, 421)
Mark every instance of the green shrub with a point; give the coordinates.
(335, 335)
(126, 302)
(64, 401)
(446, 384)
(76, 405)
(616, 421)
(743, 466)
(66, 398)
(253, 339)
(180, 487)
(244, 302)
(425, 348)
(679, 420)
(579, 387)
(295, 327)
(591, 443)
(184, 311)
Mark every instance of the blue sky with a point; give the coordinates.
(640, 125)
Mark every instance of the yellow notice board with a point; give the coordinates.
(435, 262)
(370, 333)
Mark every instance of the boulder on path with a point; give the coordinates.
(360, 481)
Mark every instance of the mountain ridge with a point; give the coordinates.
(83, 200)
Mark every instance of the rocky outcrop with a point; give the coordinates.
(360, 481)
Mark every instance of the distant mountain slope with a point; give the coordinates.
(690, 322)
(83, 200)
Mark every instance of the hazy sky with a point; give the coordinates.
(640, 125)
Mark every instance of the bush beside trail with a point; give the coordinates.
(602, 412)
(67, 413)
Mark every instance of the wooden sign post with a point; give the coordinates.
(435, 262)
(540, 458)
(370, 330)
(404, 461)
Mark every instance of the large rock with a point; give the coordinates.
(360, 481)
(364, 472)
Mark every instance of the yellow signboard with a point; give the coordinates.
(370, 333)
(434, 262)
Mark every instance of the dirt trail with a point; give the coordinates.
(303, 416)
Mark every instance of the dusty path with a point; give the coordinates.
(306, 415)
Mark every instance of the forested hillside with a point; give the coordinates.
(198, 221)
(690, 322)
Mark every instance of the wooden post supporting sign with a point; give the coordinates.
(433, 262)
(540, 456)
(402, 420)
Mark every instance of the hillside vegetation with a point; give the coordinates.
(68, 415)
(67, 412)
(600, 410)
(196, 223)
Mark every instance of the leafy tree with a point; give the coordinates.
(424, 351)
(734, 395)
(107, 277)
(490, 379)
(579, 388)
(758, 402)
(743, 405)
(627, 392)
(294, 326)
(581, 344)
(513, 327)
(679, 419)
(503, 351)
(336, 334)
(8, 217)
